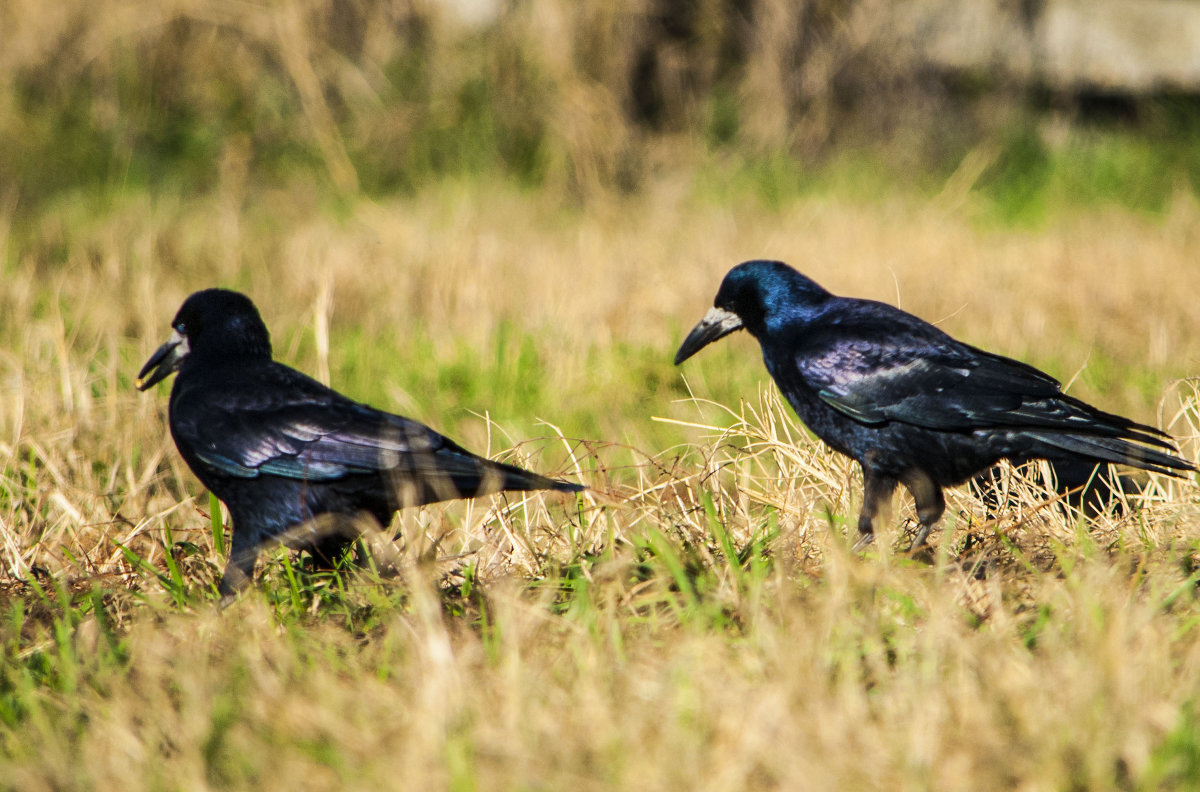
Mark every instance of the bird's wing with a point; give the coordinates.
(318, 440)
(936, 382)
(271, 419)
(930, 380)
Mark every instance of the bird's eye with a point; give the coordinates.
(181, 328)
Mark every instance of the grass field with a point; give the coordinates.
(702, 624)
(505, 230)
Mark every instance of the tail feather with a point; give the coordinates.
(456, 473)
(1071, 416)
(1119, 450)
(515, 478)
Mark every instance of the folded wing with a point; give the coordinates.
(310, 433)
(940, 384)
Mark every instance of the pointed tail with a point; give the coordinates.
(1141, 449)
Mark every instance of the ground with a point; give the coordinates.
(699, 620)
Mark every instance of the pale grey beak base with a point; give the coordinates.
(717, 323)
(164, 361)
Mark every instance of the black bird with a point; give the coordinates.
(908, 402)
(280, 449)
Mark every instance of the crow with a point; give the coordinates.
(909, 403)
(280, 449)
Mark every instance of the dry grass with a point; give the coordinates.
(697, 622)
(613, 645)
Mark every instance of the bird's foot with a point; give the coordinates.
(920, 550)
(234, 581)
(864, 541)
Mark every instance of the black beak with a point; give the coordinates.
(164, 361)
(717, 323)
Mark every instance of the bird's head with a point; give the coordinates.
(214, 323)
(751, 295)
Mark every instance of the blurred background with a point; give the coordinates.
(1025, 104)
(457, 207)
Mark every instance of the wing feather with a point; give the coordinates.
(928, 379)
(297, 428)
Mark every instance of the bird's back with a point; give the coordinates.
(871, 379)
(280, 447)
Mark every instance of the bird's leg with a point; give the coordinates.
(237, 576)
(337, 533)
(877, 492)
(931, 504)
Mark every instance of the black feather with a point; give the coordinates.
(908, 402)
(280, 449)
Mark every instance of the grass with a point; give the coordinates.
(505, 231)
(702, 625)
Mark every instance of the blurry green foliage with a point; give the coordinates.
(381, 99)
(1016, 182)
